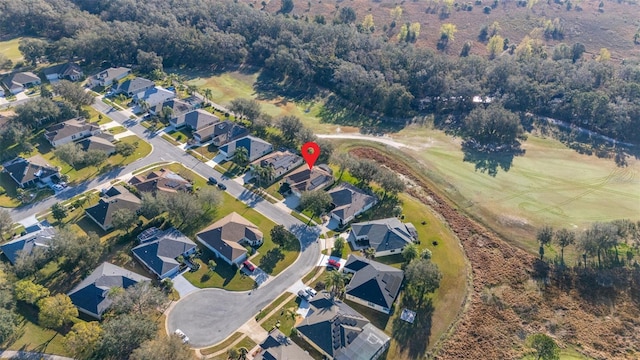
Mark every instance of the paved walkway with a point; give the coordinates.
(10, 354)
(254, 331)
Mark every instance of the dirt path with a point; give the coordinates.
(379, 139)
(507, 305)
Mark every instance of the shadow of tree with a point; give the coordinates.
(487, 161)
(411, 337)
(270, 259)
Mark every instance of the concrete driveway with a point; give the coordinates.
(183, 286)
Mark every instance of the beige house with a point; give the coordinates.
(70, 130)
(228, 236)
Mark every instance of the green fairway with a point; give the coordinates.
(549, 184)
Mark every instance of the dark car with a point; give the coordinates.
(249, 265)
(213, 181)
(222, 186)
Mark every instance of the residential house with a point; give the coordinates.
(221, 133)
(134, 86)
(339, 332)
(280, 161)
(349, 201)
(91, 295)
(70, 130)
(256, 147)
(373, 284)
(116, 198)
(154, 96)
(1, 91)
(228, 236)
(195, 119)
(160, 180)
(38, 236)
(98, 142)
(107, 77)
(18, 82)
(303, 179)
(279, 347)
(159, 253)
(178, 107)
(386, 236)
(67, 71)
(32, 171)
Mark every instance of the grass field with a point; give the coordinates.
(9, 48)
(231, 85)
(550, 184)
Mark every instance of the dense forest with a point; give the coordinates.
(397, 80)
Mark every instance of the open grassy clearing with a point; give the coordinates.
(550, 184)
(9, 48)
(240, 84)
(31, 337)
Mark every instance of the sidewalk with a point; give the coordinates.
(10, 354)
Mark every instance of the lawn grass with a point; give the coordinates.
(10, 198)
(95, 116)
(209, 151)
(32, 337)
(224, 276)
(117, 130)
(181, 136)
(273, 190)
(210, 350)
(304, 219)
(282, 319)
(274, 304)
(231, 169)
(170, 139)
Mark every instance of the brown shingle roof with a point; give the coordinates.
(68, 128)
(304, 179)
(162, 180)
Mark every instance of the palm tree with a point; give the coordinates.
(191, 89)
(144, 105)
(241, 156)
(336, 281)
(370, 253)
(410, 252)
(207, 94)
(264, 174)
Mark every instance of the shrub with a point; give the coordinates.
(2, 191)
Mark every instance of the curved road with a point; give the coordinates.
(206, 316)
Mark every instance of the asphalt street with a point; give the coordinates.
(210, 315)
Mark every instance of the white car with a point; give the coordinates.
(182, 335)
(309, 290)
(57, 187)
(304, 295)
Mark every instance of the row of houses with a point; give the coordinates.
(20, 81)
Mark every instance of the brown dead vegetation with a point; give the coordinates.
(507, 305)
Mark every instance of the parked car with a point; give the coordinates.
(334, 263)
(57, 187)
(182, 335)
(222, 186)
(309, 290)
(213, 181)
(247, 264)
(303, 294)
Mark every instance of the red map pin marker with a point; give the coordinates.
(310, 153)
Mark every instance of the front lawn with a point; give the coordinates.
(231, 169)
(116, 130)
(170, 139)
(274, 190)
(209, 151)
(10, 198)
(285, 318)
(225, 276)
(182, 135)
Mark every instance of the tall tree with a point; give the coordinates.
(315, 201)
(423, 277)
(493, 126)
(33, 49)
(58, 211)
(162, 348)
(9, 321)
(264, 175)
(410, 252)
(564, 238)
(184, 207)
(71, 153)
(495, 46)
(139, 299)
(94, 158)
(122, 334)
(389, 181)
(77, 250)
(83, 339)
(283, 237)
(29, 292)
(245, 108)
(290, 126)
(6, 222)
(123, 219)
(125, 149)
(241, 156)
(336, 281)
(56, 311)
(544, 237)
(364, 170)
(73, 93)
(545, 347)
(209, 198)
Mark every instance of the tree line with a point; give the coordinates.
(394, 79)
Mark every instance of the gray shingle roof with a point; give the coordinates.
(97, 143)
(68, 128)
(110, 74)
(256, 147)
(226, 234)
(279, 347)
(384, 234)
(103, 211)
(154, 96)
(40, 238)
(373, 282)
(160, 255)
(304, 179)
(198, 119)
(20, 79)
(335, 327)
(63, 70)
(91, 293)
(280, 161)
(25, 170)
(349, 200)
(135, 85)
